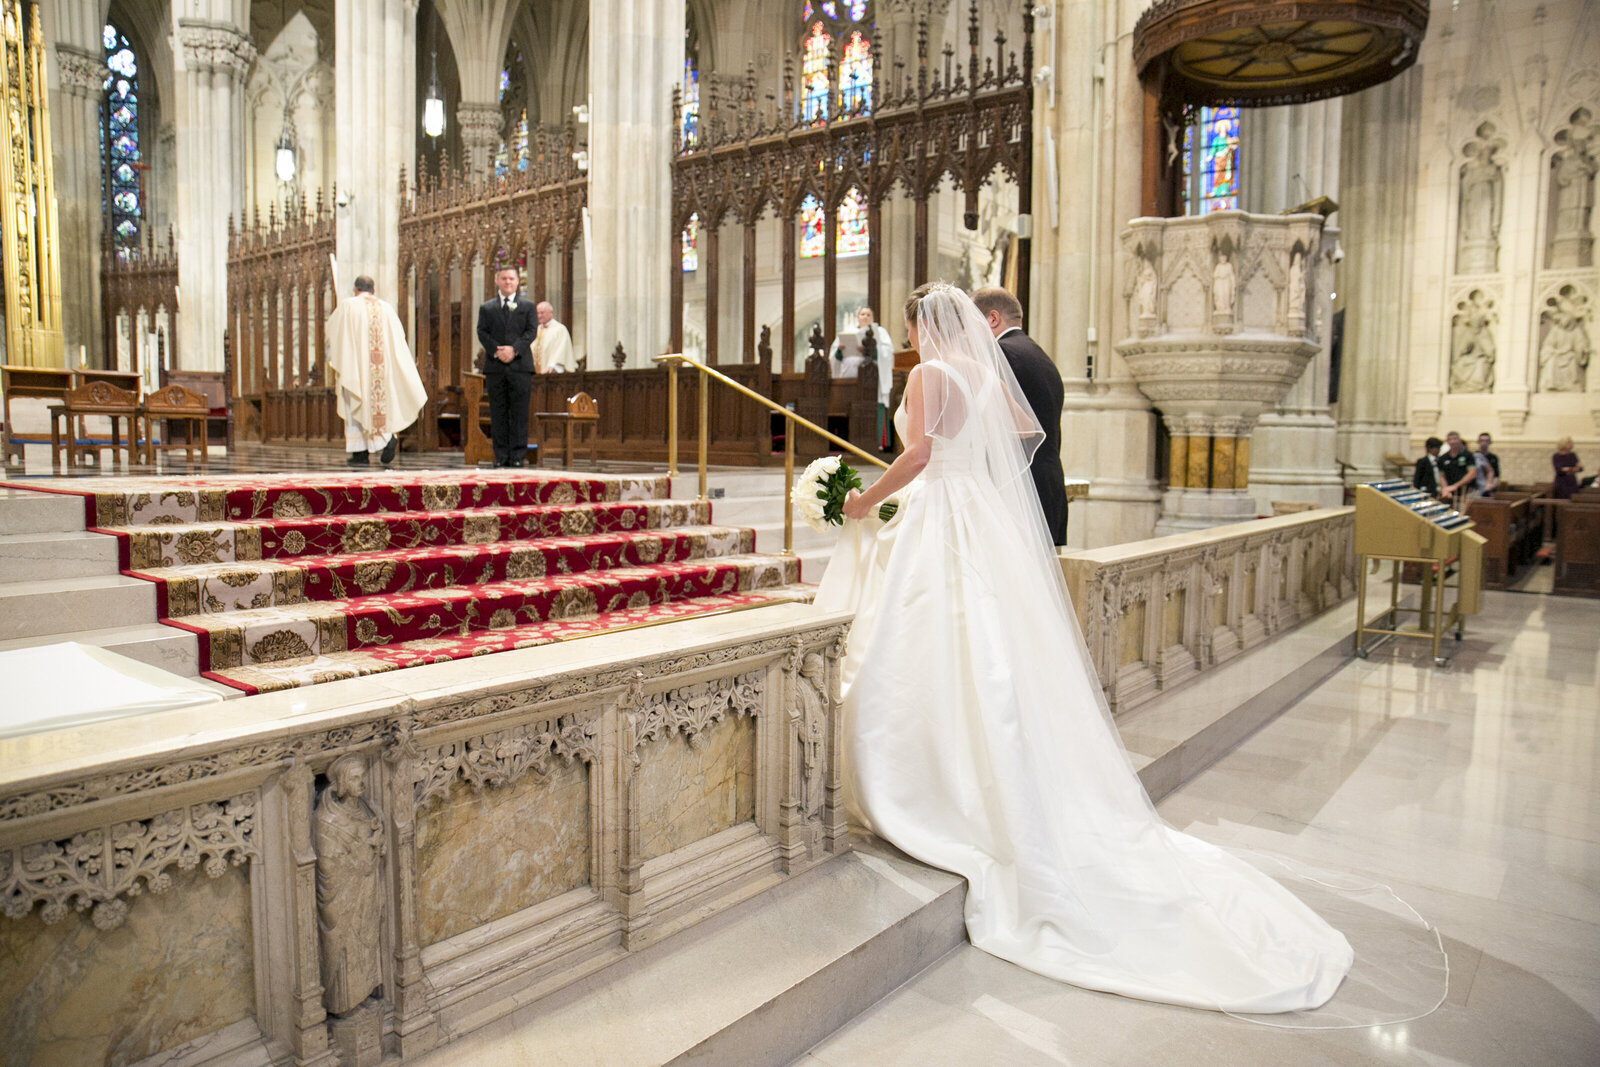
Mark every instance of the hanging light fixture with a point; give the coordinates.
(284, 162)
(433, 106)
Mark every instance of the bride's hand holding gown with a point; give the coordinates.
(977, 736)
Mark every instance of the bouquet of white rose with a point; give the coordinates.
(819, 494)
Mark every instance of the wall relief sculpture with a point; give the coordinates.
(1223, 283)
(1564, 345)
(1482, 203)
(1472, 344)
(1572, 173)
(350, 846)
(1297, 290)
(811, 719)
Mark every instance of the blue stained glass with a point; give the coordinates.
(119, 140)
(858, 10)
(505, 83)
(830, 8)
(806, 11)
(1219, 159)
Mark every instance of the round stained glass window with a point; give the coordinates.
(127, 202)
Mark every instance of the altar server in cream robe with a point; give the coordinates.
(370, 366)
(552, 348)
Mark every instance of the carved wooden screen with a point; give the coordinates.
(139, 300)
(946, 120)
(280, 294)
(454, 233)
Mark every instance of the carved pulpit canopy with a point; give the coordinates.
(1261, 53)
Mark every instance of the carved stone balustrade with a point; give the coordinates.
(1160, 613)
(1219, 323)
(362, 869)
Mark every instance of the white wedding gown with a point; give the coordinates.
(976, 741)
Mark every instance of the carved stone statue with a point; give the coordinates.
(764, 347)
(1572, 175)
(1297, 290)
(349, 840)
(1482, 193)
(1145, 290)
(817, 342)
(813, 716)
(1472, 344)
(1222, 283)
(1564, 352)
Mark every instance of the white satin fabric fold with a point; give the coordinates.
(975, 743)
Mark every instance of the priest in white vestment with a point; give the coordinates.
(378, 390)
(850, 352)
(552, 348)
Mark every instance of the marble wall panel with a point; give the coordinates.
(179, 967)
(689, 792)
(484, 855)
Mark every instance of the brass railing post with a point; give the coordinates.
(705, 428)
(789, 430)
(672, 419)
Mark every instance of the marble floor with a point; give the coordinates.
(1470, 790)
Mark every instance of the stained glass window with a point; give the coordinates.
(855, 75)
(1211, 163)
(121, 191)
(512, 152)
(691, 244)
(691, 102)
(851, 237)
(814, 74)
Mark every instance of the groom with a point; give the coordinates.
(1041, 385)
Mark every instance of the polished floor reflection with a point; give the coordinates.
(1469, 790)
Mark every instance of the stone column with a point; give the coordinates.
(375, 66)
(479, 31)
(1291, 155)
(212, 56)
(1089, 144)
(480, 136)
(1217, 340)
(635, 59)
(75, 112)
(1382, 128)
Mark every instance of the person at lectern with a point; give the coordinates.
(507, 328)
(375, 380)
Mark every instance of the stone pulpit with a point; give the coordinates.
(1220, 323)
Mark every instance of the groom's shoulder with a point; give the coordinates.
(1019, 346)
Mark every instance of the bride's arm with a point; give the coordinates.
(907, 465)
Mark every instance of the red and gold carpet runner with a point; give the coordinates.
(291, 580)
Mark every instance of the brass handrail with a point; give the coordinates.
(673, 360)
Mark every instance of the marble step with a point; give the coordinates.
(26, 557)
(758, 984)
(23, 511)
(167, 647)
(72, 605)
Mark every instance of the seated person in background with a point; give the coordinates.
(1457, 471)
(1426, 474)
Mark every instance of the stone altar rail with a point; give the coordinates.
(1160, 613)
(415, 853)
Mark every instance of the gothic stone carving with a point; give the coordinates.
(1564, 348)
(1472, 343)
(1572, 173)
(350, 847)
(206, 47)
(106, 867)
(1482, 203)
(498, 759)
(694, 709)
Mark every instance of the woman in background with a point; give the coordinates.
(1566, 465)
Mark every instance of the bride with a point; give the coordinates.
(978, 738)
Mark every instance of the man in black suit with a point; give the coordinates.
(507, 325)
(1041, 385)
(1425, 475)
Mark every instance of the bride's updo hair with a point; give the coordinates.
(914, 301)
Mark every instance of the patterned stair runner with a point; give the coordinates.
(291, 580)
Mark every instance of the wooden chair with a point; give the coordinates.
(174, 404)
(211, 385)
(96, 398)
(582, 413)
(38, 383)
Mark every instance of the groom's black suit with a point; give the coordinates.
(508, 384)
(1041, 384)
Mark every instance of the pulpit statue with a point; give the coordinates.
(1297, 291)
(1145, 291)
(1482, 189)
(1222, 283)
(350, 845)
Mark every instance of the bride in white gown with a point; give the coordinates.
(977, 735)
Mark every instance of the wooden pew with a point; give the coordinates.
(1577, 567)
(1499, 522)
